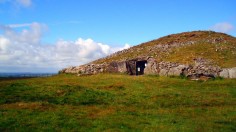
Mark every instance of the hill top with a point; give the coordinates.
(219, 48)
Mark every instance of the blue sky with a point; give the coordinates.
(45, 26)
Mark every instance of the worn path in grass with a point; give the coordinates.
(108, 102)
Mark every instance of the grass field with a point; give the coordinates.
(116, 102)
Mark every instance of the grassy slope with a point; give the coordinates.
(117, 103)
(222, 53)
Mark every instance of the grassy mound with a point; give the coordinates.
(112, 102)
(183, 48)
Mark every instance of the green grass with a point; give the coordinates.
(186, 54)
(113, 102)
(221, 52)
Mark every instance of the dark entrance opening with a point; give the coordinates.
(140, 66)
(135, 66)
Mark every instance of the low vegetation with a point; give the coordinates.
(222, 54)
(183, 48)
(114, 102)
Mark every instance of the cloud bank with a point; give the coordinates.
(223, 27)
(23, 51)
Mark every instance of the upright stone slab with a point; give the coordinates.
(151, 67)
(177, 71)
(122, 67)
(232, 72)
(224, 73)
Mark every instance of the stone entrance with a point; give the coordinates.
(136, 67)
(140, 66)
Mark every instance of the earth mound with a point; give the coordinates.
(193, 54)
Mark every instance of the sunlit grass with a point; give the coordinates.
(216, 47)
(115, 102)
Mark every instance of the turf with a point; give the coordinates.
(219, 48)
(115, 102)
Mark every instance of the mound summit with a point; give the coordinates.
(193, 54)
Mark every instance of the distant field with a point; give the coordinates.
(112, 102)
(25, 75)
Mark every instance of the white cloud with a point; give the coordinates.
(19, 25)
(31, 36)
(3, 43)
(125, 47)
(25, 3)
(222, 27)
(115, 49)
(24, 51)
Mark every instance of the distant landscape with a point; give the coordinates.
(26, 74)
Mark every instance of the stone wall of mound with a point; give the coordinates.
(201, 68)
(228, 72)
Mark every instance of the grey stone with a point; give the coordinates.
(151, 67)
(121, 67)
(228, 72)
(163, 72)
(202, 67)
(177, 71)
(232, 72)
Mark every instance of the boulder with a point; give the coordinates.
(224, 73)
(232, 72)
(151, 67)
(177, 71)
(112, 67)
(163, 72)
(121, 67)
(228, 72)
